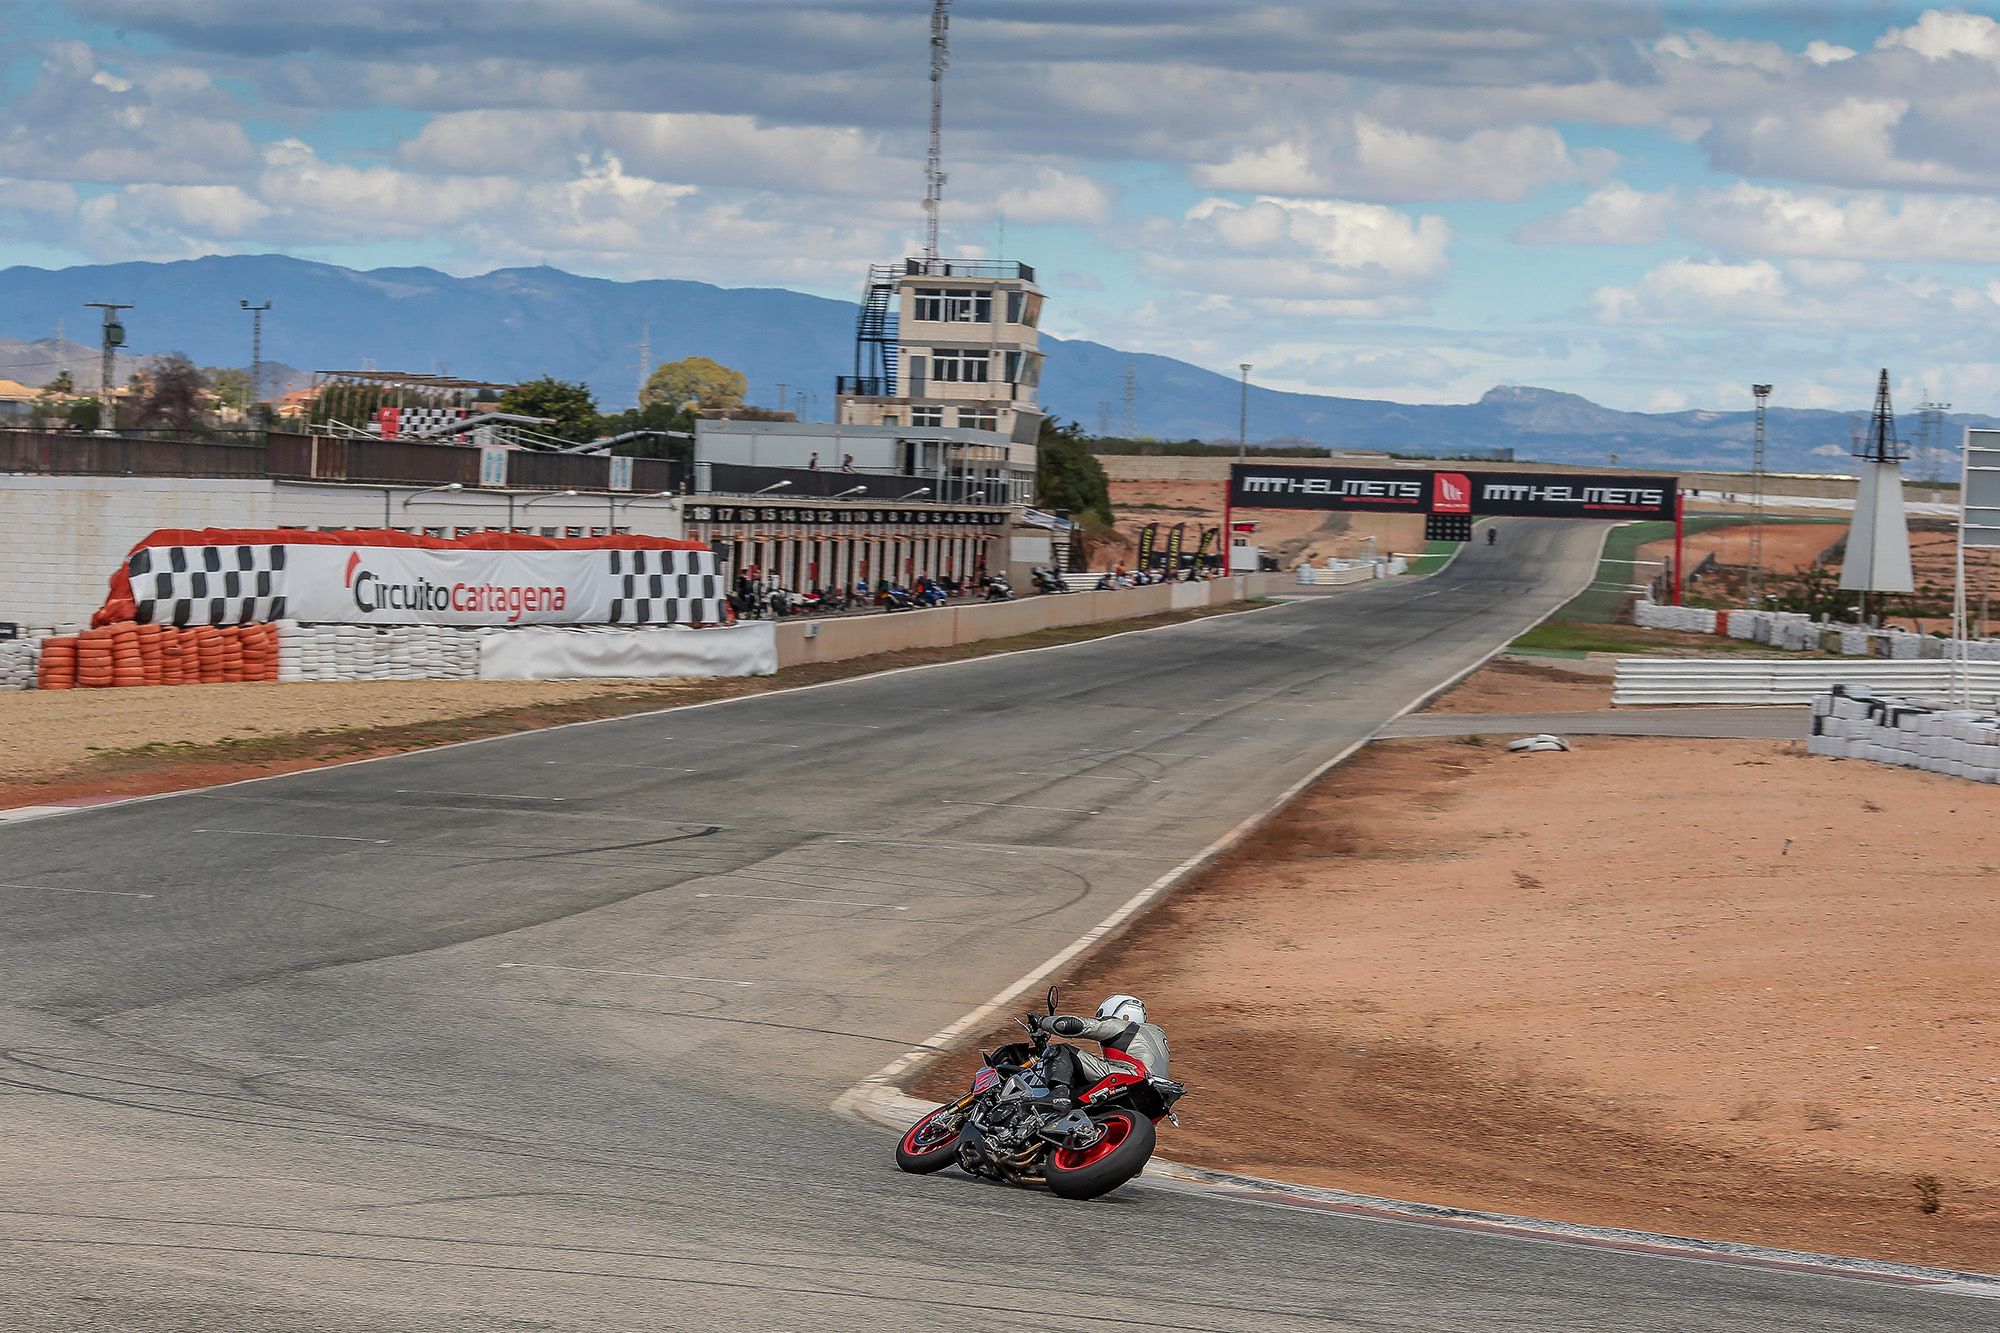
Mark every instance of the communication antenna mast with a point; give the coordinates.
(1131, 402)
(1753, 578)
(645, 358)
(934, 176)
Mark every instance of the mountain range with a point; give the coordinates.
(518, 323)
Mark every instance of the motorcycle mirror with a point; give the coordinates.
(1052, 999)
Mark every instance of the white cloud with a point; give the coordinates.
(1769, 220)
(1940, 34)
(1370, 159)
(1810, 295)
(1746, 219)
(80, 122)
(1316, 255)
(1827, 53)
(1615, 214)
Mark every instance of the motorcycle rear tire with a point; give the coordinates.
(1101, 1169)
(927, 1158)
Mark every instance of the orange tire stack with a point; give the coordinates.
(151, 660)
(128, 665)
(208, 655)
(95, 659)
(173, 662)
(58, 665)
(260, 652)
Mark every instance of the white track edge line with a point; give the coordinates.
(54, 811)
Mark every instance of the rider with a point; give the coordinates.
(1120, 1025)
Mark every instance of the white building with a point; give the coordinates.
(951, 343)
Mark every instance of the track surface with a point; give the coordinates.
(541, 1032)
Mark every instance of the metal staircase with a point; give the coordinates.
(875, 333)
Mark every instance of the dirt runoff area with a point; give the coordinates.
(1717, 989)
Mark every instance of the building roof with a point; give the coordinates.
(15, 391)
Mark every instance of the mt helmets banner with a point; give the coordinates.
(1149, 537)
(379, 578)
(1422, 491)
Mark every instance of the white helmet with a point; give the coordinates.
(1127, 1007)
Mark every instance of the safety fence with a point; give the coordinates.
(1852, 723)
(1655, 681)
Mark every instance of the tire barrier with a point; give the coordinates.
(1851, 723)
(128, 654)
(19, 663)
(363, 652)
(1796, 632)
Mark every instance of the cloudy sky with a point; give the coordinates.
(1647, 204)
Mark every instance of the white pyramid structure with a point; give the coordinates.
(1878, 543)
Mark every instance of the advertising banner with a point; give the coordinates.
(1149, 537)
(1445, 491)
(525, 581)
(1174, 539)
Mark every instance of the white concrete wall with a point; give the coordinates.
(61, 537)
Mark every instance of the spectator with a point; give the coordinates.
(813, 462)
(847, 462)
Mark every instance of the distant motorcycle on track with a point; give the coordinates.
(1005, 1128)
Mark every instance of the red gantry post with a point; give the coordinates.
(1680, 533)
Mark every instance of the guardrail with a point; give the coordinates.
(1653, 681)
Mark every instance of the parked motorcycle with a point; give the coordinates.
(897, 598)
(1005, 1128)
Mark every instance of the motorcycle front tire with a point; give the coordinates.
(1101, 1168)
(921, 1158)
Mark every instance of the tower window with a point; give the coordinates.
(954, 305)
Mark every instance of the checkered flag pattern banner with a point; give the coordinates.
(207, 585)
(393, 423)
(666, 588)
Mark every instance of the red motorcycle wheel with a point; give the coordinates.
(925, 1148)
(1119, 1155)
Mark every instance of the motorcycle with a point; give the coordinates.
(999, 590)
(1005, 1129)
(898, 598)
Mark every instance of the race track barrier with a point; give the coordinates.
(1853, 724)
(801, 641)
(1653, 681)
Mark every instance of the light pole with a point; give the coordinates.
(256, 352)
(1243, 414)
(618, 504)
(921, 490)
(852, 490)
(526, 504)
(408, 499)
(1753, 579)
(113, 337)
(774, 486)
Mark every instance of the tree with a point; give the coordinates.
(175, 393)
(653, 416)
(231, 385)
(62, 385)
(696, 379)
(569, 406)
(1067, 475)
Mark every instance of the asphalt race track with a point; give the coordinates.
(541, 1033)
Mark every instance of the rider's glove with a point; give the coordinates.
(1066, 1026)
